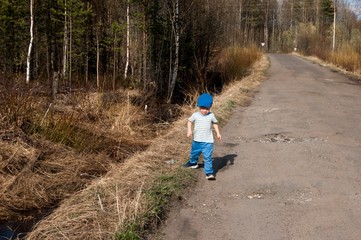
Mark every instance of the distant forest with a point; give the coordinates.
(112, 44)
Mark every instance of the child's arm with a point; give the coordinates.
(216, 128)
(189, 126)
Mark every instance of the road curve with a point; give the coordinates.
(289, 165)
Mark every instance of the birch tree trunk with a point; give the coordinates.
(334, 26)
(128, 44)
(318, 14)
(70, 50)
(114, 59)
(239, 32)
(144, 68)
(31, 41)
(98, 56)
(66, 41)
(265, 29)
(87, 62)
(291, 27)
(176, 56)
(273, 32)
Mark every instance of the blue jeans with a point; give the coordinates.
(207, 150)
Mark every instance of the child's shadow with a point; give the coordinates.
(221, 162)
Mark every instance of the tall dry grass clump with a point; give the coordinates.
(347, 58)
(132, 197)
(18, 103)
(235, 62)
(239, 93)
(230, 64)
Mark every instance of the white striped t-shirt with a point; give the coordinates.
(203, 126)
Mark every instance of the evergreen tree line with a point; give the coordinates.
(160, 44)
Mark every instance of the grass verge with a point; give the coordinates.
(165, 189)
(339, 63)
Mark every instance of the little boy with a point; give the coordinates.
(203, 140)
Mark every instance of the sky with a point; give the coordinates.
(355, 3)
(356, 6)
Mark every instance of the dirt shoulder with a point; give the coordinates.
(288, 165)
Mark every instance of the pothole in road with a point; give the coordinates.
(262, 193)
(296, 197)
(281, 138)
(284, 195)
(278, 138)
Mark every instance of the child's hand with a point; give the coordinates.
(219, 137)
(216, 128)
(189, 134)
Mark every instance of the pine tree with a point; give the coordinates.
(14, 35)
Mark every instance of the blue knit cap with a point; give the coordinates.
(205, 100)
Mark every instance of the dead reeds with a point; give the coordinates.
(235, 62)
(114, 201)
(347, 58)
(54, 150)
(36, 179)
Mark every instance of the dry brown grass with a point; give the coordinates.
(63, 147)
(347, 58)
(234, 62)
(356, 73)
(109, 204)
(36, 178)
(116, 199)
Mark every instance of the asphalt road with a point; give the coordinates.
(289, 165)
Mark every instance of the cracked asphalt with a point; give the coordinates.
(288, 166)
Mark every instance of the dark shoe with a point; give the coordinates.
(210, 177)
(190, 165)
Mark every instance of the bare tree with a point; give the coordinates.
(31, 41)
(128, 43)
(70, 50)
(175, 24)
(66, 42)
(334, 25)
(265, 28)
(114, 59)
(98, 55)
